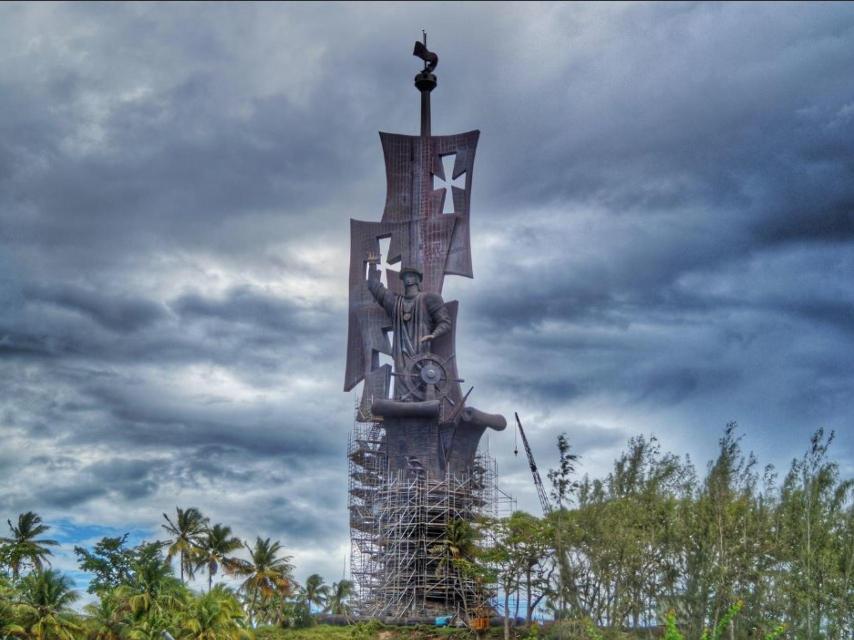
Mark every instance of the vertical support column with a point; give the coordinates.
(425, 105)
(425, 82)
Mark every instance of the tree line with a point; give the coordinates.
(735, 552)
(654, 541)
(138, 595)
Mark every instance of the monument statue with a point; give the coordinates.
(424, 415)
(414, 467)
(417, 318)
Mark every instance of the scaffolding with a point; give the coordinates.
(401, 559)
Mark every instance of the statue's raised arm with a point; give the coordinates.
(382, 295)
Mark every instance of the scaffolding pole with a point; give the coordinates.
(400, 558)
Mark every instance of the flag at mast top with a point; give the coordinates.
(425, 81)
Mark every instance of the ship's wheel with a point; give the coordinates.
(425, 377)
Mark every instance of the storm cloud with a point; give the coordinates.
(662, 224)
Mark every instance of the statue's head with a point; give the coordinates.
(411, 276)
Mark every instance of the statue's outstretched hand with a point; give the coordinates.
(427, 338)
(373, 260)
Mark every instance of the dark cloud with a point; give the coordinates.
(120, 314)
(68, 497)
(662, 226)
(241, 305)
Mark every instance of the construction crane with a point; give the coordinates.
(541, 492)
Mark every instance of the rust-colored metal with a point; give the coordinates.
(406, 318)
(419, 234)
(414, 461)
(480, 624)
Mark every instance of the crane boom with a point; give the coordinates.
(541, 492)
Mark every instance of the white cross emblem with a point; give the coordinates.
(459, 182)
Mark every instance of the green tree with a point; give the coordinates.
(215, 615)
(214, 549)
(24, 547)
(533, 538)
(339, 596)
(639, 520)
(152, 626)
(456, 553)
(8, 619)
(458, 543)
(109, 560)
(266, 575)
(815, 517)
(44, 609)
(316, 592)
(187, 531)
(563, 486)
(720, 540)
(104, 619)
(152, 595)
(842, 618)
(505, 551)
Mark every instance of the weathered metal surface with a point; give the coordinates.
(406, 318)
(414, 467)
(439, 243)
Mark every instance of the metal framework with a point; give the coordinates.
(400, 561)
(538, 482)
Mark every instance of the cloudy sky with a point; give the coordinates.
(662, 220)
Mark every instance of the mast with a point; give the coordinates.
(425, 82)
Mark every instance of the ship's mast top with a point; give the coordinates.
(425, 81)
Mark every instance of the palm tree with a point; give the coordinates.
(458, 544)
(216, 615)
(316, 593)
(266, 574)
(455, 551)
(8, 619)
(152, 589)
(188, 528)
(152, 627)
(23, 547)
(104, 618)
(338, 604)
(45, 606)
(215, 546)
(8, 625)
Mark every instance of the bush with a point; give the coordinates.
(581, 630)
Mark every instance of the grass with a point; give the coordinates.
(373, 631)
(376, 631)
(566, 630)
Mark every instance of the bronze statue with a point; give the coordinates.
(417, 317)
(413, 453)
(425, 416)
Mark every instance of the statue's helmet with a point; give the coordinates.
(414, 270)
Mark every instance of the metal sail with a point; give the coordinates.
(419, 233)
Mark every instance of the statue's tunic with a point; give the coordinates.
(412, 318)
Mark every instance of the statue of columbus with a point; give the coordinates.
(417, 317)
